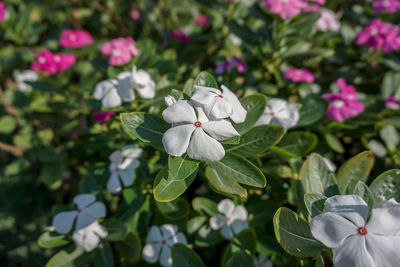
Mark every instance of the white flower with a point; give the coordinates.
(328, 21)
(195, 133)
(169, 100)
(143, 83)
(232, 220)
(159, 242)
(88, 212)
(25, 76)
(235, 40)
(89, 237)
(262, 261)
(123, 166)
(355, 242)
(219, 105)
(280, 112)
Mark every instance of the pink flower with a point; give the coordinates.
(75, 38)
(229, 64)
(64, 61)
(102, 116)
(3, 11)
(179, 35)
(328, 21)
(135, 14)
(202, 21)
(343, 105)
(312, 8)
(392, 102)
(299, 75)
(389, 6)
(285, 8)
(120, 50)
(51, 63)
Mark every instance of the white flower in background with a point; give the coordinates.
(89, 237)
(143, 83)
(235, 40)
(159, 242)
(169, 100)
(88, 211)
(280, 112)
(328, 21)
(24, 76)
(262, 261)
(231, 221)
(355, 242)
(219, 105)
(195, 133)
(123, 167)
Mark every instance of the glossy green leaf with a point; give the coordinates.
(207, 237)
(103, 256)
(7, 124)
(183, 256)
(116, 229)
(315, 203)
(255, 106)
(334, 143)
(240, 259)
(312, 110)
(205, 79)
(181, 167)
(298, 143)
(224, 184)
(17, 166)
(129, 249)
(176, 209)
(71, 256)
(52, 240)
(386, 185)
(205, 206)
(188, 88)
(363, 191)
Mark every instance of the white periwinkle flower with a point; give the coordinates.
(219, 104)
(235, 40)
(262, 261)
(88, 211)
(355, 242)
(24, 76)
(123, 166)
(280, 112)
(328, 21)
(231, 220)
(159, 242)
(89, 237)
(195, 133)
(143, 83)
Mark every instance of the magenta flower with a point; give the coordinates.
(312, 8)
(75, 38)
(392, 102)
(120, 50)
(202, 21)
(328, 21)
(51, 63)
(389, 6)
(179, 35)
(299, 75)
(64, 61)
(102, 116)
(3, 11)
(229, 64)
(344, 104)
(135, 14)
(285, 8)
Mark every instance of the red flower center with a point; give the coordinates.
(228, 219)
(163, 242)
(362, 231)
(117, 169)
(272, 114)
(79, 210)
(197, 124)
(220, 96)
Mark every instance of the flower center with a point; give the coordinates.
(116, 53)
(272, 114)
(42, 60)
(117, 169)
(386, 4)
(228, 219)
(362, 231)
(57, 59)
(79, 210)
(197, 124)
(72, 37)
(220, 96)
(163, 242)
(338, 103)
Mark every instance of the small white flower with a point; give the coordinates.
(328, 21)
(123, 166)
(159, 242)
(195, 133)
(262, 261)
(219, 105)
(88, 211)
(280, 112)
(24, 76)
(143, 83)
(89, 237)
(231, 220)
(235, 40)
(169, 100)
(355, 242)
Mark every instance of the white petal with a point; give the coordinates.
(103, 87)
(176, 140)
(129, 164)
(239, 213)
(201, 115)
(351, 207)
(217, 221)
(132, 151)
(154, 235)
(384, 249)
(180, 112)
(165, 257)
(111, 99)
(203, 147)
(148, 91)
(276, 105)
(116, 157)
(226, 232)
(151, 252)
(204, 97)
(96, 210)
(169, 100)
(140, 77)
(83, 200)
(168, 231)
(180, 238)
(239, 225)
(124, 87)
(220, 130)
(207, 89)
(221, 109)
(127, 177)
(331, 229)
(63, 221)
(113, 184)
(89, 237)
(226, 207)
(239, 112)
(265, 117)
(385, 218)
(353, 253)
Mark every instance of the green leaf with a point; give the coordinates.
(390, 136)
(363, 191)
(315, 203)
(246, 240)
(207, 237)
(294, 234)
(205, 206)
(17, 166)
(221, 183)
(70, 257)
(146, 127)
(129, 249)
(320, 261)
(181, 167)
(183, 256)
(188, 88)
(7, 124)
(257, 140)
(103, 256)
(298, 143)
(386, 185)
(176, 209)
(390, 84)
(240, 170)
(167, 188)
(52, 240)
(355, 169)
(52, 174)
(334, 143)
(255, 106)
(312, 110)
(116, 229)
(240, 259)
(205, 79)
(194, 224)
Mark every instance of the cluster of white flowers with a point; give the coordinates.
(280, 112)
(123, 167)
(88, 232)
(356, 242)
(113, 92)
(21, 77)
(198, 124)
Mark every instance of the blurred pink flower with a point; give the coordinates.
(392, 102)
(120, 50)
(64, 61)
(389, 6)
(202, 21)
(135, 14)
(344, 104)
(75, 38)
(178, 34)
(3, 11)
(299, 75)
(51, 63)
(285, 8)
(328, 21)
(229, 64)
(312, 8)
(102, 116)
